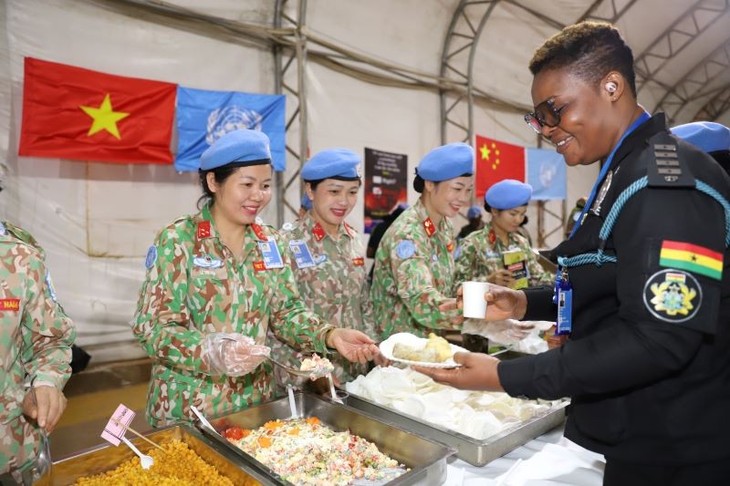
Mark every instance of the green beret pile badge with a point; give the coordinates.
(672, 295)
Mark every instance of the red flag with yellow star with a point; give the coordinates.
(75, 113)
(497, 161)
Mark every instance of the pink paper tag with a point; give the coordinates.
(118, 424)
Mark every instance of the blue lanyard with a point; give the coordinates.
(604, 170)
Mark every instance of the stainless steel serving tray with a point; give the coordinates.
(474, 451)
(425, 458)
(106, 458)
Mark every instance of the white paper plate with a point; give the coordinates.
(386, 349)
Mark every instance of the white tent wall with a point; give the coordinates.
(97, 220)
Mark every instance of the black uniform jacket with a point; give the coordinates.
(647, 366)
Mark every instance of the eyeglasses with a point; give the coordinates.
(545, 115)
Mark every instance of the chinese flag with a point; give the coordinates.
(75, 113)
(497, 161)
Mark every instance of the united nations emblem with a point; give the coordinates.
(672, 295)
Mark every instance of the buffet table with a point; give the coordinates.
(548, 460)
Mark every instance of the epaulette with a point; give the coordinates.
(22, 236)
(666, 169)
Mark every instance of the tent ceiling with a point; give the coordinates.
(681, 47)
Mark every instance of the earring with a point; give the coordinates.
(611, 87)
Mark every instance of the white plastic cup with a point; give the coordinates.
(475, 306)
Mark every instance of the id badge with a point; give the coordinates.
(302, 255)
(270, 253)
(565, 311)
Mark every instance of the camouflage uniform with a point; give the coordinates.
(35, 342)
(195, 286)
(480, 254)
(414, 271)
(334, 286)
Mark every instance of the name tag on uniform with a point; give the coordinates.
(270, 253)
(9, 304)
(302, 255)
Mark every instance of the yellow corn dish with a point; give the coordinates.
(175, 465)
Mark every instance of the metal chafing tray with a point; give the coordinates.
(425, 458)
(474, 451)
(106, 458)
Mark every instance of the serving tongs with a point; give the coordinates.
(290, 369)
(203, 423)
(308, 374)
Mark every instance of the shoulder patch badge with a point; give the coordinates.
(457, 252)
(151, 257)
(672, 295)
(51, 290)
(405, 249)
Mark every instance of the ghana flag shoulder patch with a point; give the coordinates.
(693, 258)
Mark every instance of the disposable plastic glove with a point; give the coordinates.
(233, 354)
(508, 331)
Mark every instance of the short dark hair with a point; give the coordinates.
(590, 50)
(419, 183)
(313, 184)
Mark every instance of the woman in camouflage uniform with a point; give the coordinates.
(35, 349)
(414, 265)
(480, 256)
(329, 254)
(216, 282)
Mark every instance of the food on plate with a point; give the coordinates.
(307, 452)
(475, 414)
(317, 367)
(175, 465)
(435, 350)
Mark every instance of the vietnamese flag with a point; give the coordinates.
(497, 161)
(75, 113)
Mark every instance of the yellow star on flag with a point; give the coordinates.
(484, 151)
(105, 118)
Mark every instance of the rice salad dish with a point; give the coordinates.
(307, 452)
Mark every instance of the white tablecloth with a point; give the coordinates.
(548, 460)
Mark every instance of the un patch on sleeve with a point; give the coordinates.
(151, 257)
(672, 296)
(405, 249)
(51, 290)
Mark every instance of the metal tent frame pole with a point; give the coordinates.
(290, 80)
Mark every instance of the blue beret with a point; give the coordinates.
(333, 163)
(708, 136)
(474, 212)
(306, 202)
(447, 162)
(508, 194)
(237, 146)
